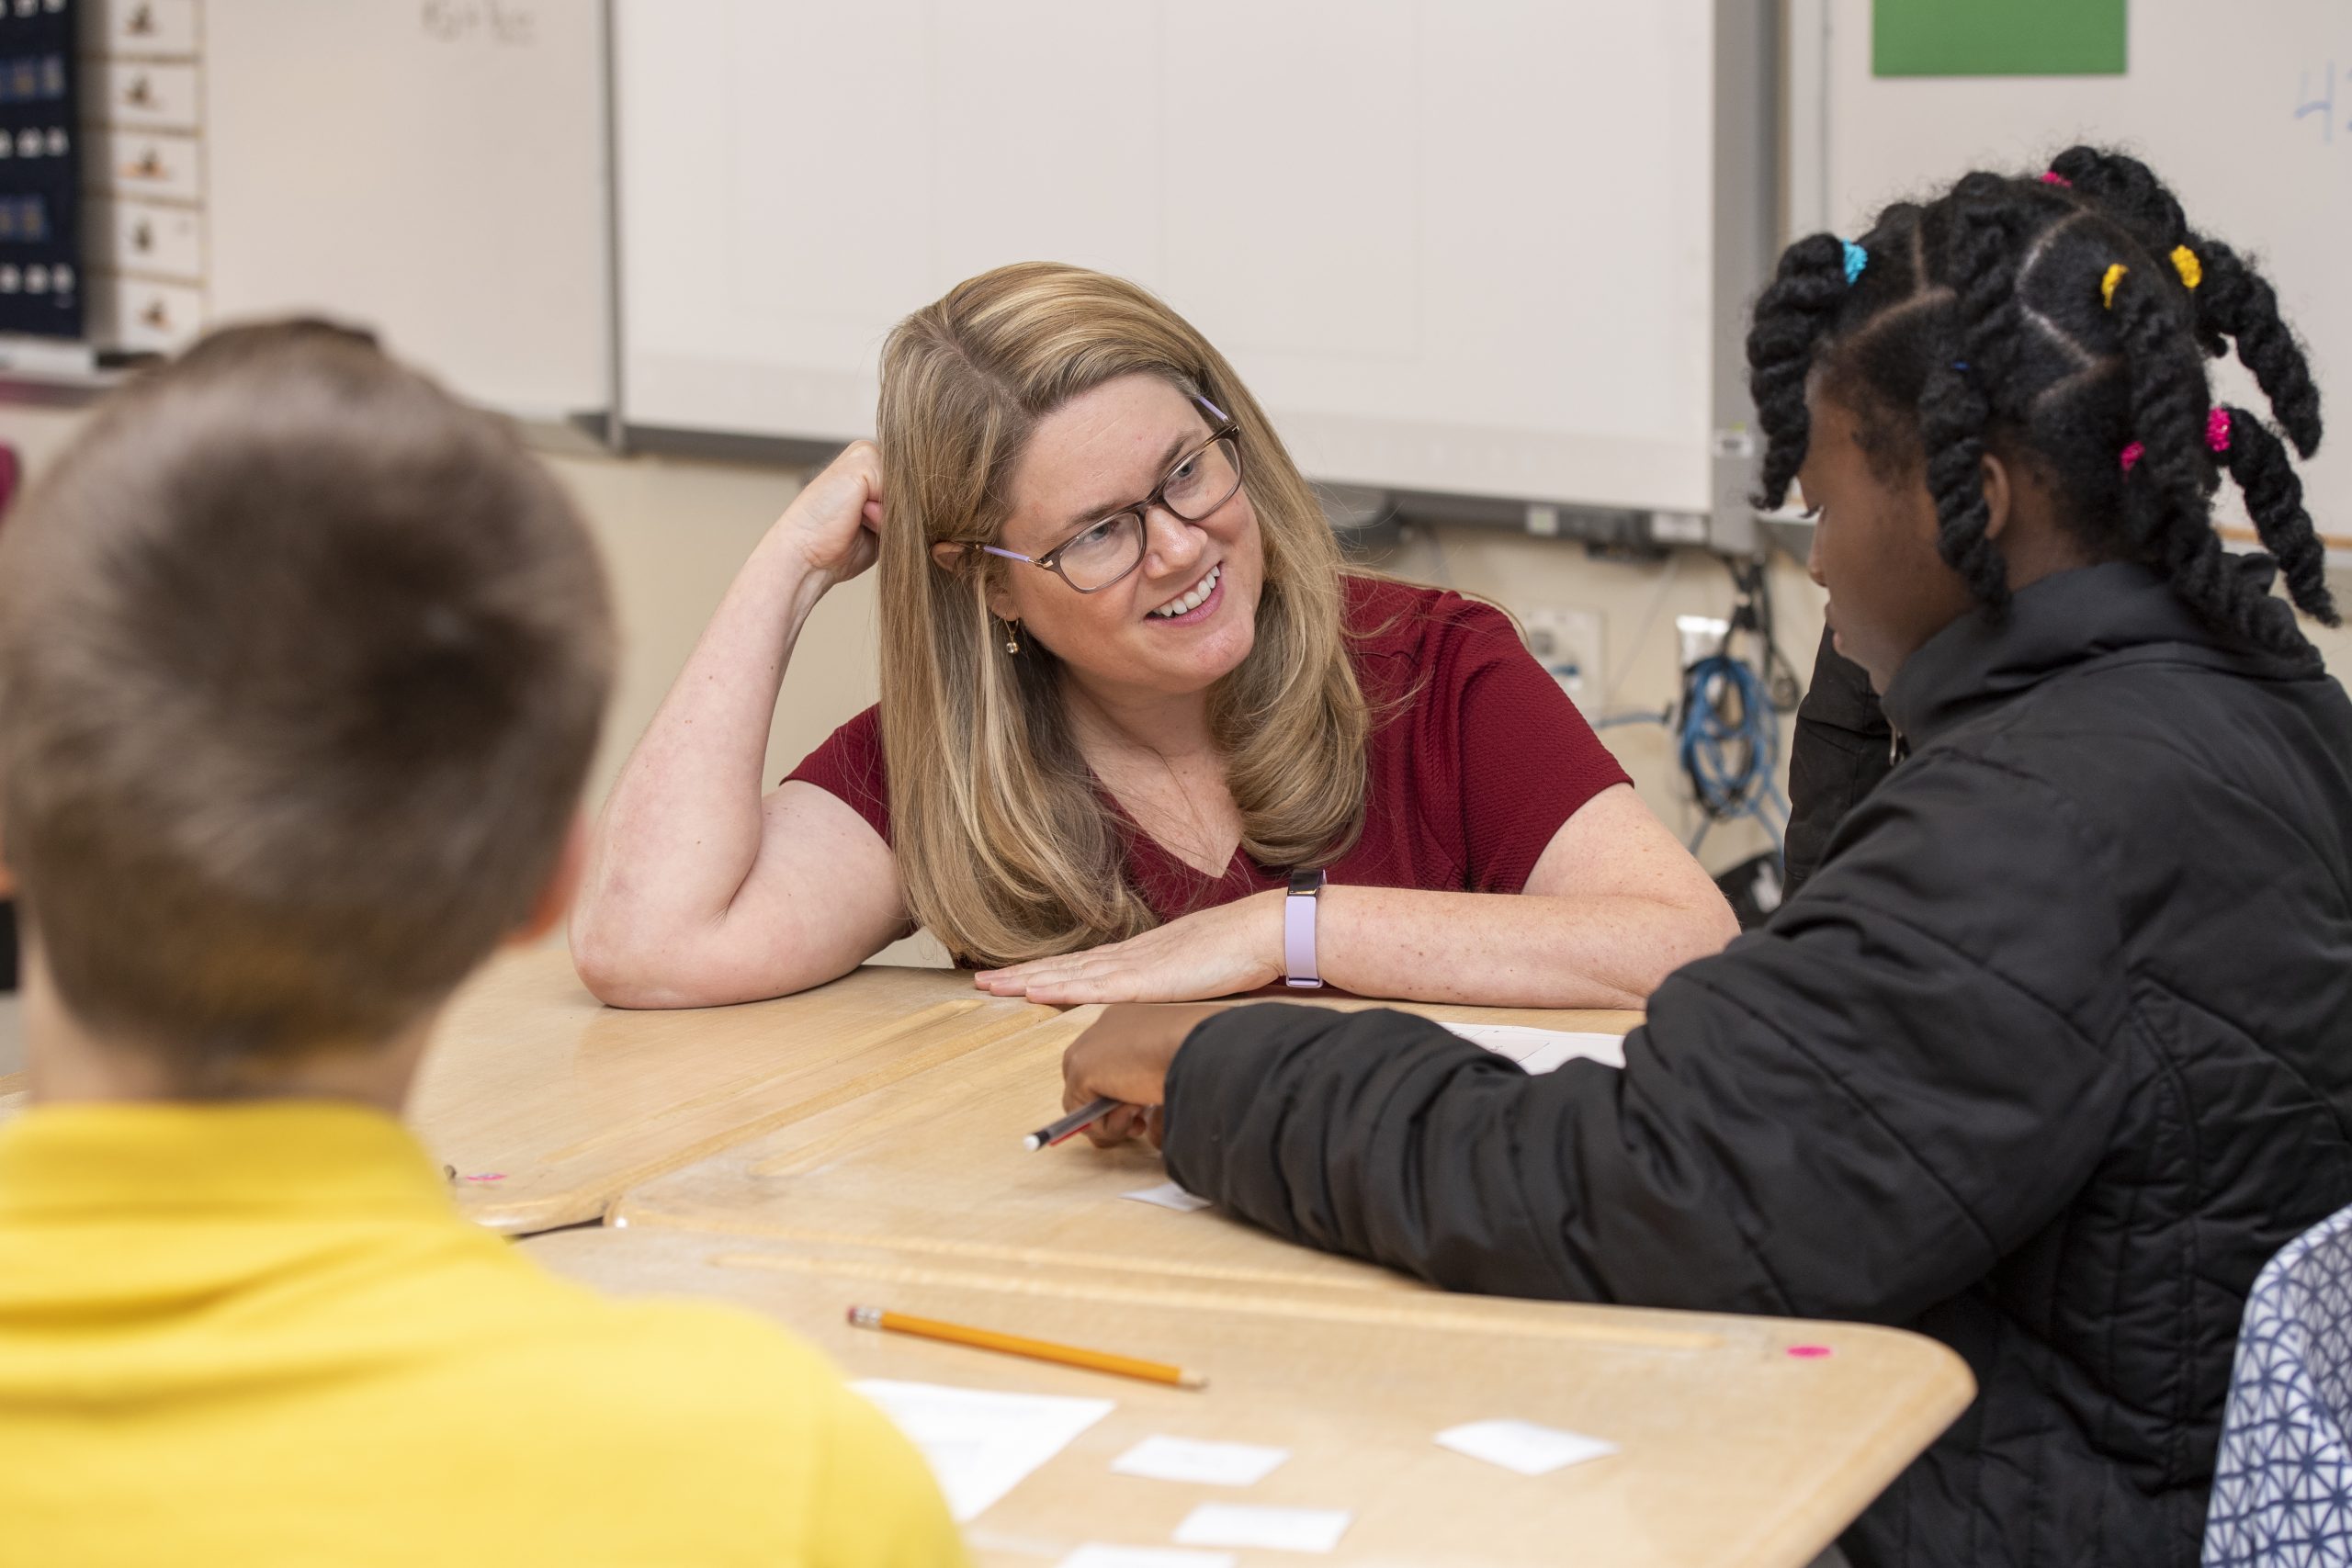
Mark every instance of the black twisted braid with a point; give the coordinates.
(2274, 501)
(1984, 321)
(1809, 285)
(2235, 301)
(1954, 404)
(2167, 492)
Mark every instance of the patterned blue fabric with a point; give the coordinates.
(2282, 1486)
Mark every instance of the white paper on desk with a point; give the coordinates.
(1211, 1464)
(1541, 1050)
(1168, 1195)
(1282, 1529)
(1094, 1554)
(980, 1444)
(1524, 1446)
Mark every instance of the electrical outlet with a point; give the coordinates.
(1568, 643)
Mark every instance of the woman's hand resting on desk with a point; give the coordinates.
(1126, 1057)
(1217, 952)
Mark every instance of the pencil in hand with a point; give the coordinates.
(1015, 1345)
(1070, 1125)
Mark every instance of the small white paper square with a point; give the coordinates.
(1524, 1446)
(1280, 1530)
(1168, 1195)
(1094, 1554)
(981, 1444)
(1188, 1459)
(1542, 1050)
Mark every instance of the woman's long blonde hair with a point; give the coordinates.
(1005, 848)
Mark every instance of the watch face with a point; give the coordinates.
(1306, 884)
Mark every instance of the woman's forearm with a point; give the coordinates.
(681, 830)
(1566, 951)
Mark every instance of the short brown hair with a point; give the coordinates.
(301, 664)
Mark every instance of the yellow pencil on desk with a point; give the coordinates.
(1016, 1345)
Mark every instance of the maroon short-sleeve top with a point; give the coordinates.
(1466, 780)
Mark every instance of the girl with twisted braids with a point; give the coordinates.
(2057, 327)
(2055, 1048)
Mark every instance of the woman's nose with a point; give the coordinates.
(1172, 543)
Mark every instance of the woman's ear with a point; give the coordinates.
(2000, 496)
(950, 556)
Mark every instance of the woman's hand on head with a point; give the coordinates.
(834, 524)
(1215, 953)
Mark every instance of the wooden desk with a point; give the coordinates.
(1735, 1451)
(934, 1164)
(568, 1102)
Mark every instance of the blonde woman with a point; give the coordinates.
(1141, 737)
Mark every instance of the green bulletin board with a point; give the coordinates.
(1999, 37)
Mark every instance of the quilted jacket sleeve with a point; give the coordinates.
(1850, 1113)
(1842, 750)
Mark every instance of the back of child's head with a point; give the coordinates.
(2060, 319)
(301, 663)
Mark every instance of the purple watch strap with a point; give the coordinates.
(1298, 932)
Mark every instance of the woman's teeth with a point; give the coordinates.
(1192, 600)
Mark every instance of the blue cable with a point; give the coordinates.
(1732, 753)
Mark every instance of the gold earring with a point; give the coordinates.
(1012, 637)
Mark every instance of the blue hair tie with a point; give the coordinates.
(1856, 259)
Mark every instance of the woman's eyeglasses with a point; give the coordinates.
(1104, 552)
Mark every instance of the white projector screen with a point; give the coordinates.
(1453, 247)
(433, 172)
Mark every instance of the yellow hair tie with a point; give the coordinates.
(2185, 262)
(2107, 285)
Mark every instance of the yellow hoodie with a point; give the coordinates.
(261, 1334)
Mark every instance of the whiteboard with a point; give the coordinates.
(432, 169)
(1456, 247)
(2226, 103)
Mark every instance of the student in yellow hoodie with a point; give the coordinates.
(301, 667)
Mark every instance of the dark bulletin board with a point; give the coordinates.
(42, 285)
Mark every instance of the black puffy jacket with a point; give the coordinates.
(1844, 747)
(2050, 1056)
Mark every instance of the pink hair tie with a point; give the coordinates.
(2053, 177)
(2216, 430)
(2132, 454)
